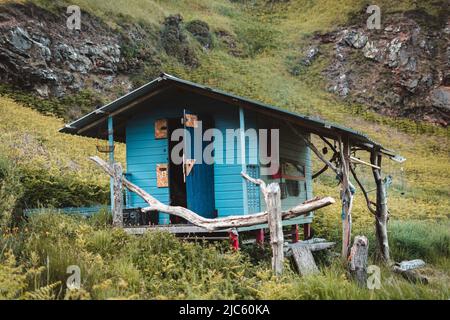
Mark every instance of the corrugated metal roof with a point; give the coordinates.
(98, 116)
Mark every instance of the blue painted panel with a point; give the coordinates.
(200, 184)
(144, 152)
(227, 177)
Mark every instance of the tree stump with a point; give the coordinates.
(358, 260)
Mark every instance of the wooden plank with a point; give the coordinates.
(304, 260)
(353, 159)
(173, 229)
(314, 246)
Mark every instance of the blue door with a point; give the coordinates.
(200, 177)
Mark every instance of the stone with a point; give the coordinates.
(410, 84)
(20, 39)
(371, 51)
(440, 98)
(393, 52)
(355, 39)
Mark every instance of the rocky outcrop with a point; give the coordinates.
(402, 70)
(39, 53)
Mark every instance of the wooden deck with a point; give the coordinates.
(188, 230)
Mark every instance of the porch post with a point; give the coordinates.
(346, 197)
(243, 156)
(260, 236)
(111, 157)
(295, 236)
(307, 231)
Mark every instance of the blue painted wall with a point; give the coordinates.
(144, 152)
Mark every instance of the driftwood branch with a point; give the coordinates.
(318, 173)
(329, 144)
(219, 223)
(366, 195)
(313, 148)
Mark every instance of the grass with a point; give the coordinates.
(114, 265)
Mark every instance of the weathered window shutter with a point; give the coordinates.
(161, 129)
(162, 175)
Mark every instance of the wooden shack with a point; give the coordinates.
(147, 118)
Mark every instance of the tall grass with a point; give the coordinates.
(115, 265)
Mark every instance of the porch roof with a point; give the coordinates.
(94, 124)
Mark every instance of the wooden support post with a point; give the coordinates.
(234, 240)
(260, 236)
(273, 201)
(381, 214)
(111, 157)
(294, 234)
(307, 231)
(346, 197)
(117, 208)
(358, 260)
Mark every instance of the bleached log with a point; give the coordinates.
(219, 223)
(118, 196)
(273, 203)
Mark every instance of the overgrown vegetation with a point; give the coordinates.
(35, 257)
(68, 107)
(39, 167)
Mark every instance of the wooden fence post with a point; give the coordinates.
(273, 201)
(117, 209)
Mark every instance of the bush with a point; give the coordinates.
(10, 192)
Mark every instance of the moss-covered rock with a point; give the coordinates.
(176, 42)
(200, 30)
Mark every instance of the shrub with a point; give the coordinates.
(10, 192)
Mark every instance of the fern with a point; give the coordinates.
(44, 293)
